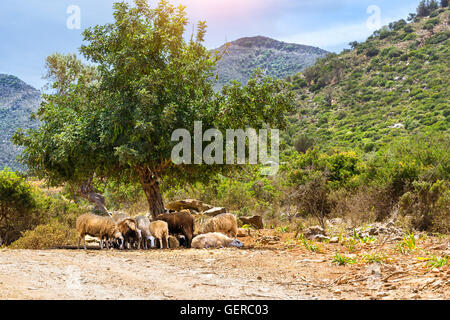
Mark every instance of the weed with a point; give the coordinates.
(375, 257)
(435, 262)
(343, 260)
(408, 243)
(311, 246)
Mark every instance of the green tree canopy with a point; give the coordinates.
(116, 119)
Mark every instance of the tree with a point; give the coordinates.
(353, 44)
(444, 3)
(411, 16)
(422, 9)
(303, 143)
(148, 82)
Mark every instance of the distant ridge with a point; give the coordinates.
(17, 101)
(278, 59)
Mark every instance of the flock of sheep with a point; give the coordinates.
(170, 229)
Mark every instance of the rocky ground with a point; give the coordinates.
(272, 265)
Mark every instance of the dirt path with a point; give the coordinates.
(205, 274)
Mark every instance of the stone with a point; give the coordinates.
(173, 242)
(320, 237)
(242, 232)
(268, 239)
(215, 211)
(334, 240)
(188, 204)
(335, 221)
(255, 221)
(313, 231)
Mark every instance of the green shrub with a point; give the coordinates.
(18, 206)
(46, 236)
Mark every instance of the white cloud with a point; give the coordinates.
(331, 37)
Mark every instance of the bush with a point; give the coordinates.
(372, 52)
(429, 206)
(303, 143)
(18, 206)
(46, 236)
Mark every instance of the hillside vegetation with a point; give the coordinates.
(394, 84)
(17, 101)
(277, 59)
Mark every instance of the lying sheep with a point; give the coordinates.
(179, 223)
(214, 240)
(160, 230)
(225, 223)
(143, 224)
(100, 227)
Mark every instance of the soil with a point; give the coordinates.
(267, 269)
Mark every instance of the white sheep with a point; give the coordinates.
(143, 224)
(160, 230)
(214, 240)
(98, 226)
(225, 223)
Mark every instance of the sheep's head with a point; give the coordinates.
(236, 243)
(118, 237)
(131, 224)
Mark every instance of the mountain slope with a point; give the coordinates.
(17, 101)
(276, 58)
(394, 84)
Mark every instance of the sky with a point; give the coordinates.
(31, 30)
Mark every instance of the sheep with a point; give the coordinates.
(179, 222)
(143, 224)
(117, 217)
(160, 230)
(214, 240)
(129, 231)
(225, 223)
(98, 226)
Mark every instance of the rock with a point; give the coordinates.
(242, 232)
(90, 239)
(255, 221)
(188, 204)
(320, 237)
(334, 240)
(335, 221)
(173, 242)
(268, 239)
(214, 211)
(313, 231)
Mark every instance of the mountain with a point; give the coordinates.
(17, 101)
(396, 83)
(278, 59)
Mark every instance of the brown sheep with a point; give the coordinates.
(179, 222)
(225, 223)
(97, 226)
(130, 232)
(160, 230)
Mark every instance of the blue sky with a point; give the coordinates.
(30, 30)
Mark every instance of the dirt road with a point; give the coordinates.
(258, 273)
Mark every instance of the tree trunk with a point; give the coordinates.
(150, 184)
(87, 191)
